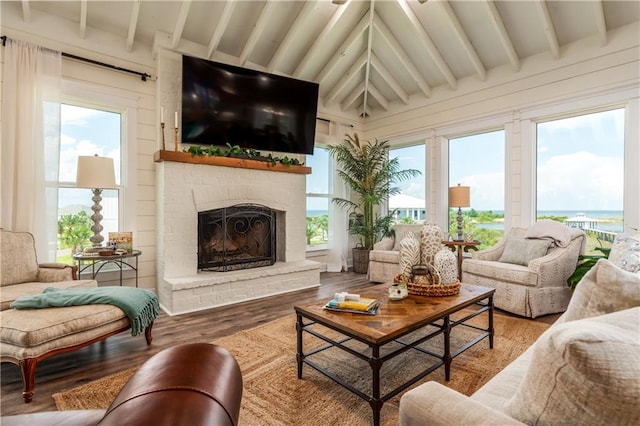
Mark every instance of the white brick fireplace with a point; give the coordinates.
(185, 189)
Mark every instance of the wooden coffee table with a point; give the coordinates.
(394, 320)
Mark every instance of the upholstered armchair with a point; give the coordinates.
(529, 268)
(22, 274)
(384, 259)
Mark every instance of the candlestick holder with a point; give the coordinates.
(162, 131)
(175, 140)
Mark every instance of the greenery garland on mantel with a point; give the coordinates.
(236, 152)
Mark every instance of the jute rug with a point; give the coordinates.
(273, 395)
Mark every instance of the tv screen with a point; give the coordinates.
(227, 104)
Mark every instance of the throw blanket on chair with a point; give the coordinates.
(561, 235)
(140, 305)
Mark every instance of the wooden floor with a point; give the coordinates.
(124, 351)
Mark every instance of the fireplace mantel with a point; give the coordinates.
(186, 157)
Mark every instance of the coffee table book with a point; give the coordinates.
(363, 306)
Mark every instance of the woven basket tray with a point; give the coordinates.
(433, 289)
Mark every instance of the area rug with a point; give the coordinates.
(273, 395)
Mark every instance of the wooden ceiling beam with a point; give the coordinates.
(549, 31)
(384, 103)
(83, 18)
(133, 24)
(352, 97)
(26, 11)
(601, 23)
(389, 79)
(319, 40)
(505, 40)
(346, 45)
(426, 41)
(367, 66)
(402, 55)
(265, 16)
(220, 27)
(344, 81)
(185, 5)
(464, 40)
(296, 28)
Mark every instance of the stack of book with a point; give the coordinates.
(363, 305)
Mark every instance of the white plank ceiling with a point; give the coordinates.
(367, 56)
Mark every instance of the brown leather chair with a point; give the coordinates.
(189, 384)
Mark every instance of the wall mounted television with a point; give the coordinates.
(252, 109)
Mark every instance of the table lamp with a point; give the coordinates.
(459, 197)
(96, 173)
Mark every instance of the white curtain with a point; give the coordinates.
(31, 143)
(338, 233)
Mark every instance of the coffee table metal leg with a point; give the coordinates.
(299, 353)
(491, 322)
(375, 402)
(446, 325)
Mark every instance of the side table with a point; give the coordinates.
(461, 247)
(93, 264)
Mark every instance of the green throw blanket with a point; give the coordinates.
(140, 305)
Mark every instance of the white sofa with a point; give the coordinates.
(585, 369)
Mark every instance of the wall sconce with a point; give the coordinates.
(459, 197)
(96, 173)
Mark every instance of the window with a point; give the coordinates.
(409, 205)
(318, 199)
(478, 161)
(85, 131)
(580, 173)
(94, 123)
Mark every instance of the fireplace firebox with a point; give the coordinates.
(237, 237)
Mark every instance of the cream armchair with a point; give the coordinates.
(527, 283)
(22, 275)
(384, 259)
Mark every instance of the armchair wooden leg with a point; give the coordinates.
(28, 371)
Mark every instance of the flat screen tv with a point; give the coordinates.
(255, 110)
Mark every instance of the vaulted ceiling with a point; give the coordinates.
(367, 56)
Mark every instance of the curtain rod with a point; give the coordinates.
(143, 76)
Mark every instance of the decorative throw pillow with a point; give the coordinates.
(385, 244)
(430, 243)
(409, 253)
(625, 252)
(605, 288)
(400, 230)
(522, 251)
(583, 373)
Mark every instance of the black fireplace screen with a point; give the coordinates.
(237, 237)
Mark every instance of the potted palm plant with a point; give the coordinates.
(365, 167)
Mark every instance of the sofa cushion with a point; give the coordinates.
(48, 324)
(605, 288)
(583, 372)
(625, 252)
(401, 229)
(10, 293)
(508, 272)
(521, 251)
(18, 261)
(384, 256)
(384, 244)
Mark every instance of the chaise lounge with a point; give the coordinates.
(30, 336)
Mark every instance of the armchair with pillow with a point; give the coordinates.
(384, 259)
(529, 268)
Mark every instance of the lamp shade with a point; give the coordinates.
(95, 172)
(459, 196)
